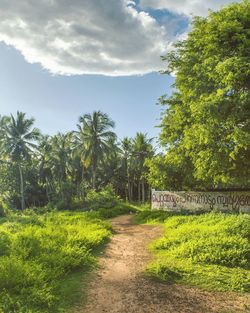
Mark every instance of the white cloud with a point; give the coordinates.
(108, 37)
(187, 7)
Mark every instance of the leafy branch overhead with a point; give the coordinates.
(206, 123)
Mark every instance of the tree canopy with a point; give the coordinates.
(60, 170)
(205, 127)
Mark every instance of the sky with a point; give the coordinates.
(60, 59)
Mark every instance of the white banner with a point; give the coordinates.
(205, 201)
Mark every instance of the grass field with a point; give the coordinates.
(211, 251)
(42, 258)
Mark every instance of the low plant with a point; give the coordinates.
(105, 198)
(152, 217)
(210, 250)
(3, 209)
(37, 253)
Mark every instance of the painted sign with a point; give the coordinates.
(205, 201)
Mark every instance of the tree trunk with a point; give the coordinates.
(82, 174)
(47, 189)
(126, 193)
(149, 193)
(131, 191)
(21, 187)
(143, 191)
(94, 178)
(139, 191)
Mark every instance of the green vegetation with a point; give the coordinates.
(210, 251)
(38, 254)
(206, 124)
(64, 171)
(152, 217)
(205, 130)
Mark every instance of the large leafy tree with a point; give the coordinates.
(18, 137)
(207, 119)
(94, 135)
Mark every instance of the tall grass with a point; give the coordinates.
(37, 253)
(211, 251)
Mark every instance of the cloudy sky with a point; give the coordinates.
(62, 58)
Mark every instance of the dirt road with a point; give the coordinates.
(120, 288)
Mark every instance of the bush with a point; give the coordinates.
(105, 198)
(122, 208)
(3, 209)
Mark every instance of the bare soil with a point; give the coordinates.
(119, 286)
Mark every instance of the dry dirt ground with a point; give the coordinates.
(119, 287)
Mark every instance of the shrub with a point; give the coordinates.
(105, 198)
(5, 242)
(122, 208)
(3, 209)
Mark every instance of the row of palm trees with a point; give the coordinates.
(65, 166)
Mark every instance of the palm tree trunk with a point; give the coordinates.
(94, 177)
(82, 174)
(139, 191)
(143, 191)
(128, 189)
(21, 187)
(47, 189)
(126, 192)
(131, 192)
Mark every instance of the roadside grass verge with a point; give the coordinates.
(119, 209)
(43, 258)
(211, 250)
(151, 217)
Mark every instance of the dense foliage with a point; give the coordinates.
(38, 252)
(206, 123)
(65, 170)
(211, 251)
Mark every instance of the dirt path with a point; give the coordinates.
(120, 288)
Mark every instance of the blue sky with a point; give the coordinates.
(62, 58)
(56, 101)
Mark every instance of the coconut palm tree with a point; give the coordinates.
(45, 164)
(126, 160)
(142, 149)
(94, 134)
(18, 140)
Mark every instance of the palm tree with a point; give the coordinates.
(110, 169)
(126, 160)
(62, 151)
(18, 140)
(142, 149)
(45, 165)
(94, 133)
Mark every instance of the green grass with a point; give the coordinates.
(43, 259)
(151, 217)
(121, 209)
(211, 251)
